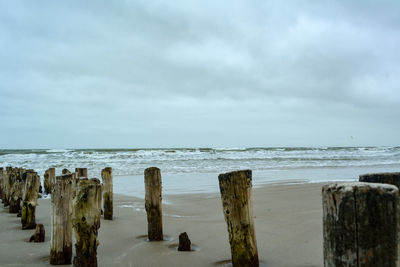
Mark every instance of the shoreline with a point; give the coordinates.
(288, 225)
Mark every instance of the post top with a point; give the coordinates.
(381, 174)
(229, 175)
(352, 186)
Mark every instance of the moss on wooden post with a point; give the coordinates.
(153, 205)
(49, 179)
(61, 220)
(31, 182)
(107, 177)
(360, 224)
(235, 188)
(81, 172)
(86, 221)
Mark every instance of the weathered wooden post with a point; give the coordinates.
(30, 195)
(383, 178)
(86, 221)
(15, 190)
(153, 205)
(61, 220)
(81, 172)
(360, 224)
(6, 187)
(49, 179)
(106, 176)
(235, 188)
(1, 182)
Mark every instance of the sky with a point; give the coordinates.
(128, 74)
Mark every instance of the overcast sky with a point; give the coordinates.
(90, 74)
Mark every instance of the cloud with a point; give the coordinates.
(147, 68)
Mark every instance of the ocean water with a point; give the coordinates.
(192, 170)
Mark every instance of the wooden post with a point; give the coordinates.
(106, 176)
(86, 221)
(383, 178)
(49, 179)
(153, 205)
(39, 234)
(360, 224)
(15, 190)
(1, 183)
(6, 187)
(81, 172)
(184, 242)
(61, 221)
(30, 195)
(235, 188)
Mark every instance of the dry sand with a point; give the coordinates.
(288, 222)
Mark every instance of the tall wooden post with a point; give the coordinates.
(61, 220)
(235, 188)
(107, 177)
(153, 205)
(49, 179)
(86, 221)
(383, 178)
(30, 195)
(81, 172)
(360, 224)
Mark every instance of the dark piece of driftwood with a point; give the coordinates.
(184, 242)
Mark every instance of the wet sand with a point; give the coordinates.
(288, 222)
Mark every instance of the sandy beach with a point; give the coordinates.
(288, 222)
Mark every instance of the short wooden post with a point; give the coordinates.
(184, 242)
(15, 190)
(86, 221)
(106, 175)
(30, 195)
(49, 178)
(360, 224)
(153, 205)
(39, 234)
(235, 188)
(61, 220)
(383, 178)
(81, 172)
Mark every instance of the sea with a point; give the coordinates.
(196, 170)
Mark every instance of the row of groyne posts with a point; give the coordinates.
(361, 220)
